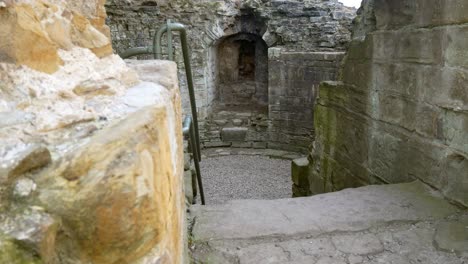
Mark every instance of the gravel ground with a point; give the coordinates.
(245, 177)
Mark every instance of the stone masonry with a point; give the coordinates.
(398, 224)
(305, 41)
(400, 112)
(91, 157)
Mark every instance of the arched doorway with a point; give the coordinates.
(242, 72)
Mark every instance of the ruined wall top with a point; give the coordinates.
(294, 25)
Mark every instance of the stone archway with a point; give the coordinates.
(242, 70)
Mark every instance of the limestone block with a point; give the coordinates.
(86, 36)
(31, 33)
(102, 156)
(143, 207)
(230, 134)
(24, 41)
(94, 11)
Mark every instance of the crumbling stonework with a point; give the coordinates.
(50, 25)
(401, 110)
(91, 158)
(315, 28)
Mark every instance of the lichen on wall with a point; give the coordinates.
(400, 111)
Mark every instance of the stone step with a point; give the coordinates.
(342, 227)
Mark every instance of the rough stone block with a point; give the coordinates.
(416, 46)
(126, 142)
(300, 176)
(260, 145)
(455, 51)
(241, 144)
(32, 33)
(216, 144)
(234, 134)
(237, 122)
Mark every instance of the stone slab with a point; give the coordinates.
(453, 237)
(231, 134)
(345, 211)
(398, 243)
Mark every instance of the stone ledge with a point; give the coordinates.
(272, 153)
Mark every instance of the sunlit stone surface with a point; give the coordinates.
(91, 158)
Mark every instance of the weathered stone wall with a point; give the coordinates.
(243, 71)
(294, 82)
(91, 158)
(310, 26)
(42, 24)
(401, 110)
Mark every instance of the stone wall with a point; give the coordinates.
(91, 158)
(401, 110)
(311, 26)
(243, 71)
(294, 82)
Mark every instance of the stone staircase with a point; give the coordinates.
(399, 224)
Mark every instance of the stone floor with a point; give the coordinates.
(392, 224)
(233, 174)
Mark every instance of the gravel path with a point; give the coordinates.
(245, 177)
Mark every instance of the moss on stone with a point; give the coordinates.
(328, 137)
(12, 253)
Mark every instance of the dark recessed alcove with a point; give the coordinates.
(242, 71)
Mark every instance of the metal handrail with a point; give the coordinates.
(156, 50)
(188, 130)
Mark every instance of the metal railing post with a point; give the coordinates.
(156, 50)
(188, 129)
(169, 41)
(188, 69)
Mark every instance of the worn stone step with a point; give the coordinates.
(338, 226)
